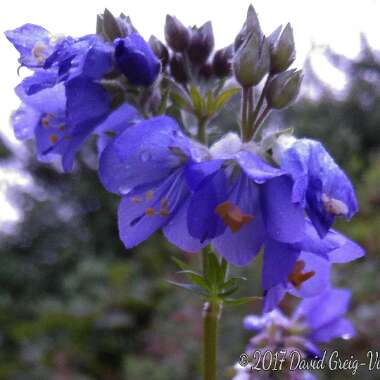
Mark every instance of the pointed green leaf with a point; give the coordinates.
(181, 264)
(241, 301)
(224, 97)
(190, 287)
(210, 104)
(197, 100)
(196, 279)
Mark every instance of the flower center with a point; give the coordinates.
(232, 216)
(297, 277)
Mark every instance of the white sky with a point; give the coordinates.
(337, 23)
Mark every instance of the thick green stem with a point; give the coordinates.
(211, 314)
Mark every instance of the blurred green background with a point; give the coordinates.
(74, 304)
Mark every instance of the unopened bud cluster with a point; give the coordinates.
(257, 56)
(190, 52)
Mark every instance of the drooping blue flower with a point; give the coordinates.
(319, 184)
(33, 42)
(60, 118)
(63, 101)
(303, 268)
(86, 56)
(148, 166)
(325, 315)
(136, 60)
(239, 201)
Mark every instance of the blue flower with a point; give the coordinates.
(136, 60)
(148, 166)
(63, 101)
(239, 201)
(325, 316)
(33, 42)
(303, 268)
(319, 184)
(87, 56)
(60, 118)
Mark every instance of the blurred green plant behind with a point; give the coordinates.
(74, 304)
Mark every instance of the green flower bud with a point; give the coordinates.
(201, 44)
(251, 24)
(284, 88)
(176, 34)
(160, 50)
(252, 61)
(221, 62)
(282, 49)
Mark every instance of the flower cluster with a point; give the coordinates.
(316, 320)
(269, 193)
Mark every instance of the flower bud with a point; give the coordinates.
(126, 25)
(284, 88)
(252, 61)
(282, 49)
(160, 50)
(201, 43)
(221, 62)
(206, 71)
(176, 34)
(136, 60)
(178, 68)
(251, 24)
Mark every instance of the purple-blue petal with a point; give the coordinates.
(278, 263)
(203, 221)
(142, 154)
(239, 248)
(284, 220)
(256, 168)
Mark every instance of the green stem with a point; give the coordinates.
(245, 103)
(260, 121)
(202, 135)
(211, 314)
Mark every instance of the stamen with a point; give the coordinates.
(232, 216)
(150, 211)
(334, 206)
(298, 277)
(61, 127)
(136, 199)
(149, 195)
(53, 139)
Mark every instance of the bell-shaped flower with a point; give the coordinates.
(34, 43)
(303, 268)
(136, 60)
(148, 166)
(240, 200)
(325, 315)
(320, 185)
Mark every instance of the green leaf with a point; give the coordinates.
(229, 291)
(224, 97)
(180, 102)
(210, 104)
(213, 269)
(181, 264)
(196, 279)
(190, 287)
(110, 26)
(241, 301)
(197, 100)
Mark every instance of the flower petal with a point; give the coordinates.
(284, 220)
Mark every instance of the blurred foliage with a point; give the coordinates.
(74, 304)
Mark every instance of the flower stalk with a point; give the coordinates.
(211, 315)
